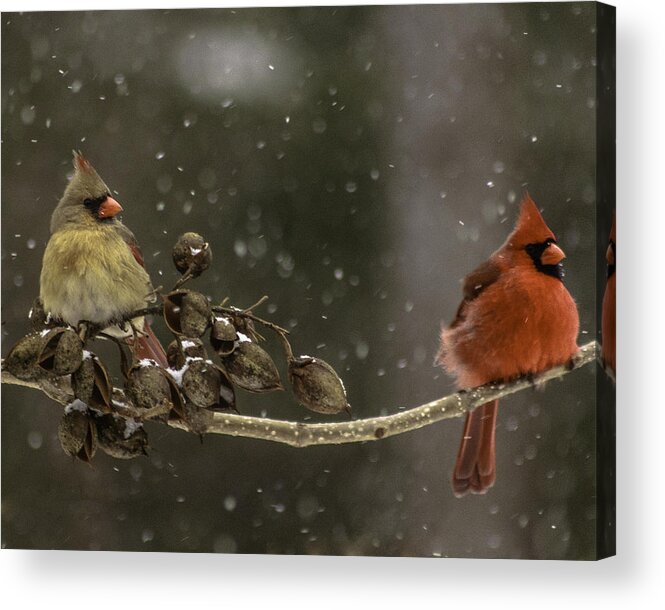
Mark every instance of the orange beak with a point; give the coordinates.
(109, 208)
(553, 255)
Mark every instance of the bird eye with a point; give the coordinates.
(91, 204)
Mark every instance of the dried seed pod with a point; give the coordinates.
(197, 419)
(245, 326)
(223, 336)
(147, 385)
(251, 368)
(91, 383)
(121, 438)
(62, 351)
(178, 410)
(207, 386)
(21, 361)
(187, 313)
(38, 316)
(317, 386)
(192, 254)
(78, 433)
(178, 352)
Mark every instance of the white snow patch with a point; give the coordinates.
(178, 373)
(131, 426)
(76, 405)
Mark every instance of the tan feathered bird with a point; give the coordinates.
(93, 268)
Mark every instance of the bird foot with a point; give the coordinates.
(88, 330)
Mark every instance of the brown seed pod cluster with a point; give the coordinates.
(203, 384)
(57, 351)
(190, 389)
(82, 431)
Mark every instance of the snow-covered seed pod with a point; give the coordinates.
(77, 433)
(121, 438)
(223, 336)
(147, 385)
(251, 368)
(207, 386)
(317, 386)
(192, 254)
(178, 352)
(91, 383)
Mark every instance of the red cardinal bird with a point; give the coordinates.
(609, 315)
(516, 318)
(93, 269)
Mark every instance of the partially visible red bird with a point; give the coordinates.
(93, 268)
(609, 315)
(516, 318)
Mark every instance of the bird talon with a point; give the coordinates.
(88, 330)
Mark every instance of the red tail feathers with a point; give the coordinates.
(148, 346)
(475, 468)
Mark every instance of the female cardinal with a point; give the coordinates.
(609, 315)
(93, 269)
(516, 318)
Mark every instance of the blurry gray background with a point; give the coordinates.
(353, 164)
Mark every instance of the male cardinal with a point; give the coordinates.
(609, 316)
(516, 318)
(93, 269)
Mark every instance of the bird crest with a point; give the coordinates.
(81, 164)
(85, 182)
(530, 227)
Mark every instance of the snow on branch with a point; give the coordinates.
(298, 434)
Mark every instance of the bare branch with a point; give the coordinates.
(299, 434)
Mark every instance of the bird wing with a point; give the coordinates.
(147, 345)
(478, 280)
(130, 240)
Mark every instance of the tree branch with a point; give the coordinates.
(299, 434)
